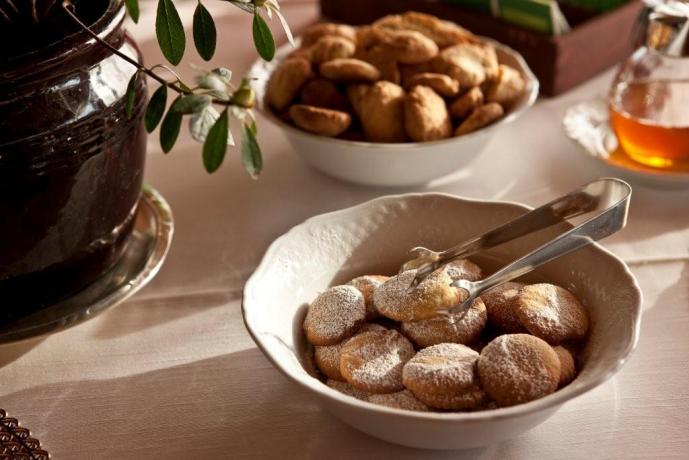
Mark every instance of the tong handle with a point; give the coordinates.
(571, 205)
(609, 197)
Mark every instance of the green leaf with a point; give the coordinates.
(170, 32)
(133, 9)
(205, 35)
(263, 38)
(216, 143)
(130, 95)
(169, 130)
(156, 108)
(191, 104)
(251, 152)
(248, 7)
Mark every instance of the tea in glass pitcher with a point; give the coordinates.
(649, 98)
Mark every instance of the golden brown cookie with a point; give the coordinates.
(286, 80)
(463, 269)
(425, 115)
(381, 111)
(348, 70)
(466, 103)
(461, 63)
(448, 328)
(334, 315)
(316, 31)
(396, 301)
(552, 313)
(501, 305)
(443, 33)
(404, 399)
(320, 92)
(367, 284)
(568, 369)
(331, 47)
(518, 368)
(373, 361)
(480, 117)
(327, 357)
(444, 377)
(507, 88)
(318, 120)
(346, 388)
(440, 83)
(377, 56)
(404, 46)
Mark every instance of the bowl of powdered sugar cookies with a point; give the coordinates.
(329, 309)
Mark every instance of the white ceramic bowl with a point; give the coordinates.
(374, 237)
(386, 164)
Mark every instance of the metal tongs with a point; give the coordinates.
(608, 198)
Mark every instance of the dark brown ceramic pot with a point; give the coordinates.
(71, 163)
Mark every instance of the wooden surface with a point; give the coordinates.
(173, 374)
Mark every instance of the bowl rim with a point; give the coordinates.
(552, 401)
(533, 86)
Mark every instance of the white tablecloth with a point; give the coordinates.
(172, 373)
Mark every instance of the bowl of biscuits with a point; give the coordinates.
(329, 309)
(402, 101)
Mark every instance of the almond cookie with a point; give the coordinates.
(331, 47)
(425, 115)
(568, 369)
(335, 315)
(373, 361)
(441, 84)
(465, 104)
(318, 120)
(346, 388)
(518, 368)
(320, 92)
(507, 88)
(463, 269)
(396, 301)
(327, 357)
(444, 377)
(377, 56)
(367, 284)
(381, 112)
(461, 63)
(453, 328)
(348, 70)
(443, 33)
(404, 399)
(480, 117)
(286, 80)
(552, 313)
(316, 31)
(501, 305)
(405, 46)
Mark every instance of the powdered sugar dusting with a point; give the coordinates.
(501, 305)
(394, 299)
(448, 328)
(335, 315)
(517, 368)
(463, 269)
(374, 360)
(401, 400)
(552, 313)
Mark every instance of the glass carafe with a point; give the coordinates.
(649, 98)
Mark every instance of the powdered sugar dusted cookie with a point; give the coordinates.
(444, 377)
(335, 315)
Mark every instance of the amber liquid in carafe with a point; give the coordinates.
(651, 121)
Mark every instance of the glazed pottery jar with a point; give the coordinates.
(71, 162)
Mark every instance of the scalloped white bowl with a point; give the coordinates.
(374, 237)
(386, 164)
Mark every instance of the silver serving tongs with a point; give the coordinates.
(607, 197)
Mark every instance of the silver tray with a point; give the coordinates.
(143, 256)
